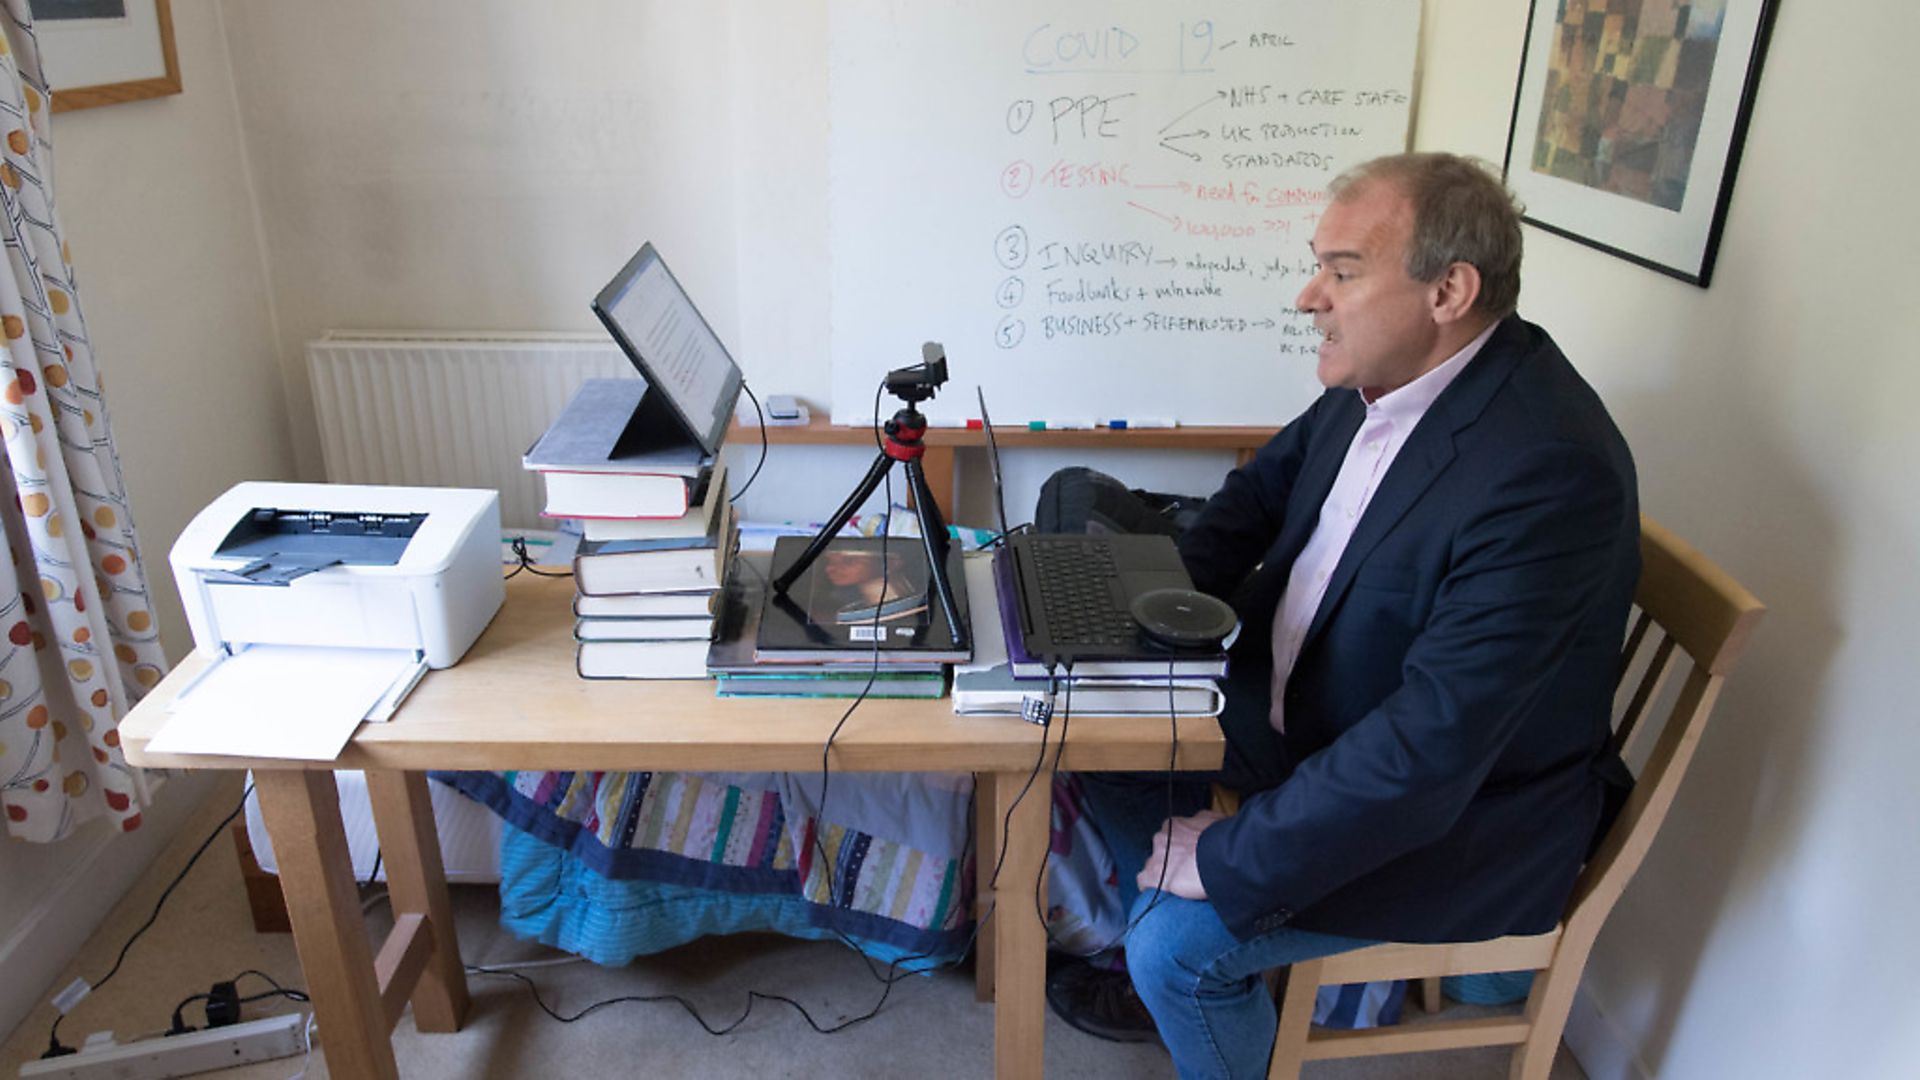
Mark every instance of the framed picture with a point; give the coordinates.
(103, 52)
(1628, 122)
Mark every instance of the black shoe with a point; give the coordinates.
(1101, 1003)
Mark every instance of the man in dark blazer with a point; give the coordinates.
(1433, 567)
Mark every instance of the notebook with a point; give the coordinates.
(1073, 591)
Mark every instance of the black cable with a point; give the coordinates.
(1173, 760)
(54, 1046)
(724, 1029)
(180, 1025)
(295, 994)
(755, 474)
(519, 547)
(893, 975)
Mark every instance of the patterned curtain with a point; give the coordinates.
(81, 644)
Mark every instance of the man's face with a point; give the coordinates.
(1378, 323)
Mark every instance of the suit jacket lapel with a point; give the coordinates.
(1427, 453)
(1316, 479)
(1260, 597)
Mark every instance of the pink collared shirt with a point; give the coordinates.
(1390, 419)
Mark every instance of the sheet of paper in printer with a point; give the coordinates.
(287, 701)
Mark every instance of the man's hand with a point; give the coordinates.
(1175, 852)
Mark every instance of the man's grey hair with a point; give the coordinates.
(1461, 213)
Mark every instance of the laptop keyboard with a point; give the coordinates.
(1073, 573)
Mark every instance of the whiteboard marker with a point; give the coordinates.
(1069, 425)
(1142, 422)
(1036, 425)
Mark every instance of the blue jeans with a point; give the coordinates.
(1203, 986)
(1201, 983)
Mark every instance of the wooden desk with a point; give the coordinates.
(942, 441)
(514, 703)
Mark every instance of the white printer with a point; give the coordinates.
(352, 566)
(320, 606)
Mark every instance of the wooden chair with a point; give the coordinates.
(1685, 601)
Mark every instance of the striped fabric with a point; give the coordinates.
(887, 868)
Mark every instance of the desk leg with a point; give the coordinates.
(986, 850)
(302, 811)
(417, 882)
(1019, 941)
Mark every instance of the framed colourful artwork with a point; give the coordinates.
(103, 52)
(1628, 122)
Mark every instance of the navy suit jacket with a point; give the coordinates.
(1439, 775)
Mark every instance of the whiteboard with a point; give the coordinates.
(1102, 210)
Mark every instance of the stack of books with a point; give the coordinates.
(736, 663)
(861, 619)
(1002, 679)
(658, 533)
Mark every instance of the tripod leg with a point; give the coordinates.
(933, 537)
(821, 539)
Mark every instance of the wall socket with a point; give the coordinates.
(178, 1055)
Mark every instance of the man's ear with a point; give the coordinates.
(1455, 293)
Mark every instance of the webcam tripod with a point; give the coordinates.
(902, 444)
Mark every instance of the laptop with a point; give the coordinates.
(1074, 591)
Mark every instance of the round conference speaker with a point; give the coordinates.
(1183, 618)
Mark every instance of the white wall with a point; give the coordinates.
(1771, 416)
(488, 166)
(153, 196)
(452, 165)
(155, 202)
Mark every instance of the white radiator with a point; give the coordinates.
(452, 410)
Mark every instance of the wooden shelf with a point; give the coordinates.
(819, 432)
(943, 441)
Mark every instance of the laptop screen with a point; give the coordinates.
(993, 461)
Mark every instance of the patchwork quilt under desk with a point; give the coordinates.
(610, 865)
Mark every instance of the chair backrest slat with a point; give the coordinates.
(1632, 647)
(1709, 617)
(1645, 693)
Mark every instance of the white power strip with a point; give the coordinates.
(178, 1055)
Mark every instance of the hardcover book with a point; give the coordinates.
(695, 628)
(665, 532)
(845, 683)
(595, 464)
(615, 567)
(642, 659)
(644, 605)
(854, 600)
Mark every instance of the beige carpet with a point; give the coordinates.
(930, 1026)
